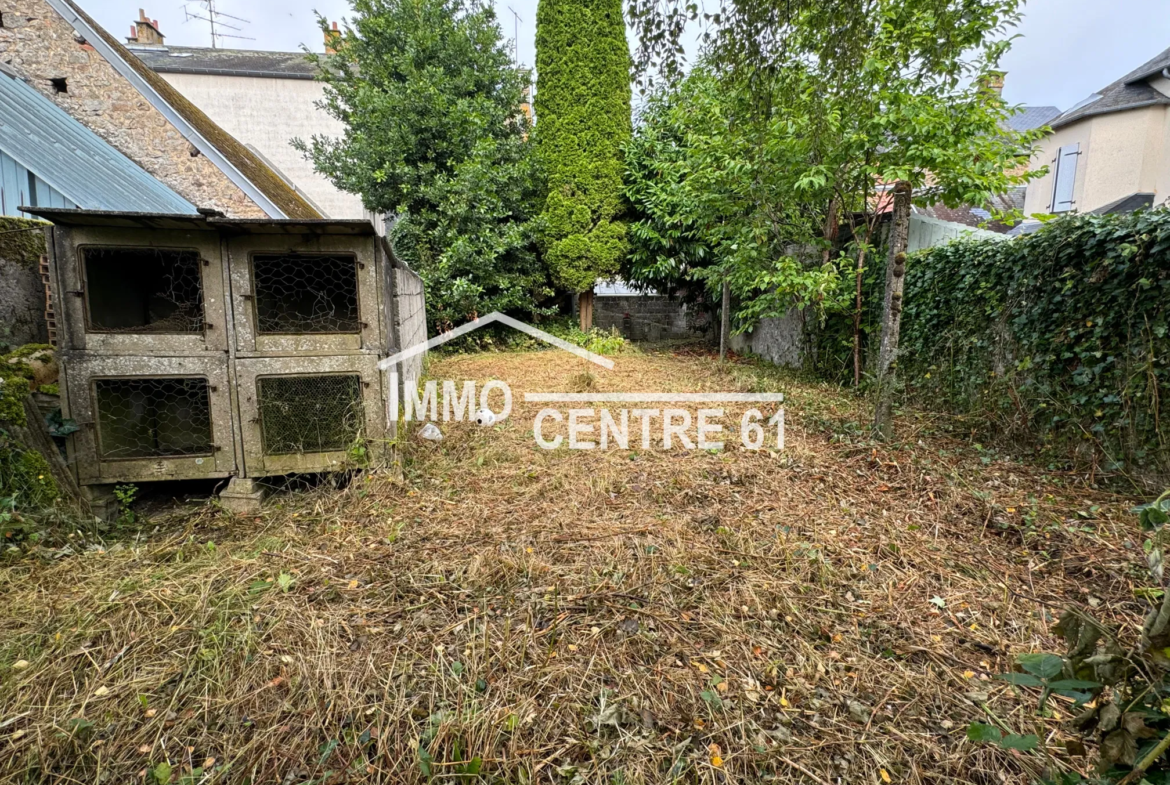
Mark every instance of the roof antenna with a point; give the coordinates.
(212, 17)
(516, 35)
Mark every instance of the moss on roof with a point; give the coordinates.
(292, 204)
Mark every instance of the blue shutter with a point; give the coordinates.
(1066, 178)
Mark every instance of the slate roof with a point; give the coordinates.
(77, 163)
(1032, 117)
(1129, 92)
(979, 217)
(225, 62)
(270, 184)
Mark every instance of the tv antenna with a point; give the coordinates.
(516, 34)
(215, 19)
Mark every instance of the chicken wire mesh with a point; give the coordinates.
(153, 418)
(307, 414)
(305, 293)
(151, 290)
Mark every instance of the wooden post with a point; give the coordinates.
(585, 309)
(883, 419)
(725, 322)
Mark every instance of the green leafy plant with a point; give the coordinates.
(1122, 695)
(125, 496)
(436, 137)
(583, 102)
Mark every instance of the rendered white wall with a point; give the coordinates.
(268, 114)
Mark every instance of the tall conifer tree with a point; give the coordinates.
(582, 122)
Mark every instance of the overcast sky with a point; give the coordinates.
(1069, 48)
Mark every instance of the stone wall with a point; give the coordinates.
(653, 317)
(779, 340)
(22, 292)
(41, 47)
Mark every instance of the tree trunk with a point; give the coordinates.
(585, 309)
(725, 322)
(857, 315)
(887, 366)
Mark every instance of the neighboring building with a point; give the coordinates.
(49, 159)
(54, 47)
(264, 99)
(1110, 152)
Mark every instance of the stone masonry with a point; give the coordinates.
(42, 47)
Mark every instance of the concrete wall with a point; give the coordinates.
(22, 292)
(645, 317)
(1121, 154)
(40, 46)
(410, 319)
(268, 114)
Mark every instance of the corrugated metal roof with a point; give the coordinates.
(73, 160)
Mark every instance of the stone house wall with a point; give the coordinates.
(22, 291)
(41, 47)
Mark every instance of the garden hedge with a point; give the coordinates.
(1062, 332)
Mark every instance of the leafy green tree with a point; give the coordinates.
(853, 97)
(583, 119)
(435, 137)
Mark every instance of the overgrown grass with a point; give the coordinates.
(510, 614)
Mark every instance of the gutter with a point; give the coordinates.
(98, 42)
(1098, 113)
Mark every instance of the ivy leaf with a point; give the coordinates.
(1046, 666)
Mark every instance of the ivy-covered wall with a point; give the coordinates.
(22, 294)
(1061, 333)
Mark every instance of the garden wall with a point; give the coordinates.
(22, 291)
(1062, 333)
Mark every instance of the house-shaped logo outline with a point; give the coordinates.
(484, 321)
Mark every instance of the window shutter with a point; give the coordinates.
(1066, 178)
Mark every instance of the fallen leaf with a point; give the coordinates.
(353, 584)
(144, 749)
(968, 674)
(885, 775)
(19, 665)
(101, 691)
(286, 659)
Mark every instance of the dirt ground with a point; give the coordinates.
(832, 613)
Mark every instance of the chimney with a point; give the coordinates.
(993, 82)
(145, 32)
(332, 40)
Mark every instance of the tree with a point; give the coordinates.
(435, 136)
(583, 120)
(856, 96)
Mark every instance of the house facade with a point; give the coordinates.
(263, 99)
(54, 47)
(1110, 152)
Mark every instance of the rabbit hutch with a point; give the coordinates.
(203, 347)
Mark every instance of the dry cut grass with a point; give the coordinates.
(831, 614)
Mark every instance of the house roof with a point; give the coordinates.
(225, 62)
(978, 217)
(1032, 117)
(1131, 91)
(241, 165)
(202, 221)
(77, 163)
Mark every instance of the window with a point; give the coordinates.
(1066, 178)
